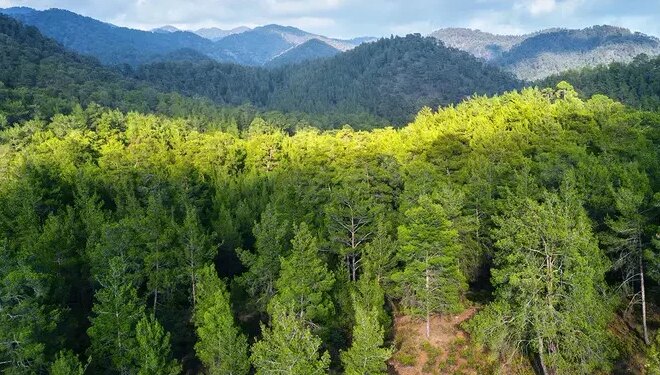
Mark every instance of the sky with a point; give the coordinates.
(352, 18)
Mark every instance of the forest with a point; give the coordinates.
(151, 225)
(537, 206)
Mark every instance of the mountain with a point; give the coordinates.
(539, 55)
(385, 81)
(260, 45)
(115, 45)
(38, 77)
(109, 43)
(553, 52)
(481, 44)
(310, 50)
(165, 29)
(215, 34)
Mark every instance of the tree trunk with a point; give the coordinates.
(544, 369)
(156, 289)
(428, 307)
(643, 292)
(354, 267)
(155, 300)
(192, 280)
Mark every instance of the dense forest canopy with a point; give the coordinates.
(310, 234)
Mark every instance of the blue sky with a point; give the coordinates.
(349, 18)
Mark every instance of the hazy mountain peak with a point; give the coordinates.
(215, 33)
(540, 54)
(165, 29)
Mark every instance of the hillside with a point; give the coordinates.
(114, 45)
(636, 84)
(549, 53)
(481, 44)
(108, 43)
(539, 55)
(259, 46)
(310, 50)
(40, 79)
(390, 80)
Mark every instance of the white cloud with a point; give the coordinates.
(297, 7)
(349, 18)
(537, 7)
(496, 23)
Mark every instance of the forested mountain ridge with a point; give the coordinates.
(310, 50)
(40, 79)
(259, 227)
(538, 55)
(119, 45)
(108, 43)
(636, 84)
(389, 80)
(481, 44)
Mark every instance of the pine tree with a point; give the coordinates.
(431, 280)
(67, 363)
(153, 354)
(379, 256)
(159, 259)
(305, 282)
(197, 249)
(350, 216)
(288, 347)
(117, 310)
(549, 282)
(264, 265)
(221, 346)
(25, 321)
(629, 243)
(366, 356)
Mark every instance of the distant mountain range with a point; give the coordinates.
(119, 45)
(211, 33)
(374, 84)
(548, 52)
(530, 57)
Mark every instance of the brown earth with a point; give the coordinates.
(448, 350)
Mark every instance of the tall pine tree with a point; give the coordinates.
(288, 347)
(221, 347)
(431, 280)
(549, 288)
(305, 281)
(153, 352)
(116, 312)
